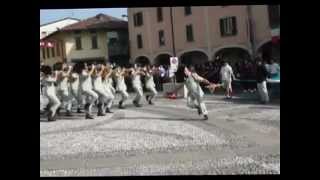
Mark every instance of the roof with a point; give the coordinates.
(59, 20)
(98, 21)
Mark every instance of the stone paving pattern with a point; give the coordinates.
(240, 137)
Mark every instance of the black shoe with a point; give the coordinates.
(86, 106)
(100, 110)
(147, 97)
(58, 111)
(49, 116)
(69, 113)
(205, 117)
(108, 110)
(89, 116)
(79, 110)
(151, 103)
(199, 110)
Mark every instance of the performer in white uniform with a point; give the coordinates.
(195, 93)
(100, 90)
(150, 85)
(108, 88)
(86, 88)
(121, 86)
(136, 73)
(64, 89)
(49, 91)
(76, 90)
(41, 94)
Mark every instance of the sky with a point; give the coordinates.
(55, 14)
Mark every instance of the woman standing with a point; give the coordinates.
(50, 91)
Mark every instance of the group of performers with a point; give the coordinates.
(91, 85)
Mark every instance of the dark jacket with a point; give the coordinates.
(262, 73)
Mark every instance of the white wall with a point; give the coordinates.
(50, 28)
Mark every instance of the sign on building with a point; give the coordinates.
(174, 64)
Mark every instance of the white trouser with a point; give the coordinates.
(78, 96)
(124, 95)
(139, 92)
(153, 92)
(66, 98)
(41, 102)
(263, 91)
(90, 97)
(194, 100)
(104, 97)
(50, 93)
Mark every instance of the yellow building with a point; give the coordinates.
(97, 39)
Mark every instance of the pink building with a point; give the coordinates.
(203, 33)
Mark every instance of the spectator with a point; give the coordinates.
(261, 77)
(274, 69)
(226, 78)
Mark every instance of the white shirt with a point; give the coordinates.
(226, 73)
(86, 83)
(274, 68)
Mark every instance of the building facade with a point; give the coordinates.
(201, 33)
(97, 39)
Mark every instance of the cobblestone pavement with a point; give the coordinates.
(240, 137)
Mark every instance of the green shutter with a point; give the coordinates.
(221, 27)
(234, 26)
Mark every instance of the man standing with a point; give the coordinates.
(226, 73)
(261, 76)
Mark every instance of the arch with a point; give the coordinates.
(142, 60)
(194, 57)
(269, 50)
(180, 53)
(162, 59)
(163, 52)
(260, 44)
(216, 50)
(232, 54)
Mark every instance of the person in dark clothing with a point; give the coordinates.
(261, 77)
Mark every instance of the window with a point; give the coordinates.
(43, 53)
(53, 51)
(228, 26)
(138, 19)
(159, 14)
(94, 40)
(187, 11)
(139, 41)
(189, 33)
(78, 43)
(161, 38)
(274, 16)
(48, 52)
(58, 49)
